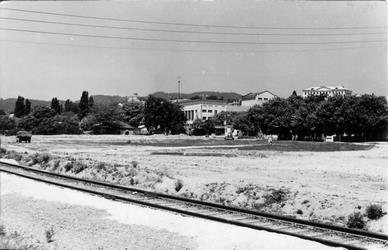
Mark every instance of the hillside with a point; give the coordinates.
(8, 105)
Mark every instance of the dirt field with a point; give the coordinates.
(306, 180)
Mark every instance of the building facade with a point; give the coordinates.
(326, 91)
(252, 99)
(205, 109)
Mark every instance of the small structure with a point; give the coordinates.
(126, 129)
(252, 99)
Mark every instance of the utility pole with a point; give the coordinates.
(179, 87)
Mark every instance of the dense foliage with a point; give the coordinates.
(162, 115)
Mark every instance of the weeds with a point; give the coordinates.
(355, 220)
(276, 196)
(68, 166)
(178, 185)
(79, 167)
(2, 230)
(374, 212)
(134, 164)
(100, 166)
(49, 235)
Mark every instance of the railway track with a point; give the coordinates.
(326, 234)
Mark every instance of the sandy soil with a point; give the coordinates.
(325, 186)
(83, 221)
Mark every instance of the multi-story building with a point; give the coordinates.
(205, 109)
(326, 91)
(252, 99)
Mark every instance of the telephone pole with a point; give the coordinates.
(179, 87)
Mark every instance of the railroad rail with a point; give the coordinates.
(330, 235)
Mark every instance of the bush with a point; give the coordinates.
(134, 164)
(49, 235)
(178, 185)
(68, 166)
(44, 158)
(276, 196)
(374, 211)
(355, 220)
(79, 167)
(2, 230)
(100, 166)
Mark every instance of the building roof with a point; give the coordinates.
(252, 96)
(325, 88)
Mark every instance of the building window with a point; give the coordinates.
(265, 99)
(260, 99)
(215, 112)
(204, 118)
(203, 110)
(210, 111)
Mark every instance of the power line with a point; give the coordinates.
(187, 41)
(190, 24)
(189, 31)
(187, 50)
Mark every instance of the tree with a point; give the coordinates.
(2, 112)
(71, 107)
(91, 102)
(38, 114)
(68, 105)
(7, 123)
(19, 107)
(55, 105)
(106, 118)
(133, 113)
(27, 107)
(160, 114)
(83, 105)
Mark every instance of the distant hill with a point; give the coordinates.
(220, 95)
(106, 99)
(8, 105)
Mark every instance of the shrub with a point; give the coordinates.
(134, 164)
(3, 151)
(49, 235)
(44, 158)
(79, 167)
(178, 185)
(2, 230)
(355, 220)
(100, 166)
(276, 196)
(68, 166)
(374, 211)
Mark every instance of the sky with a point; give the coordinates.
(42, 65)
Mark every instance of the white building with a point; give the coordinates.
(205, 109)
(327, 91)
(252, 99)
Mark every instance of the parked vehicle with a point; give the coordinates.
(23, 136)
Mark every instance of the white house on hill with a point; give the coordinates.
(327, 91)
(252, 99)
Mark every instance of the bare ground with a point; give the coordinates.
(324, 186)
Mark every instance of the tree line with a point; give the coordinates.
(364, 117)
(157, 114)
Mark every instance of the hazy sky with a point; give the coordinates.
(34, 67)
